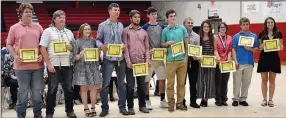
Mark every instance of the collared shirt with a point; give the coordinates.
(244, 56)
(22, 36)
(154, 34)
(53, 34)
(194, 38)
(137, 43)
(176, 34)
(110, 33)
(224, 46)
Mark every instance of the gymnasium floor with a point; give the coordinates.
(254, 100)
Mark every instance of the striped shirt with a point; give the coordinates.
(53, 34)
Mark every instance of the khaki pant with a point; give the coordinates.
(178, 68)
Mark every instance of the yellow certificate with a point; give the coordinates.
(271, 45)
(246, 41)
(159, 54)
(60, 47)
(208, 61)
(114, 50)
(178, 49)
(194, 50)
(140, 69)
(29, 55)
(91, 54)
(227, 67)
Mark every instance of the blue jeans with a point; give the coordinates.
(108, 67)
(29, 80)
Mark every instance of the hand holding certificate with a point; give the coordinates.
(29, 55)
(60, 47)
(91, 54)
(140, 69)
(194, 50)
(114, 50)
(227, 67)
(246, 41)
(159, 54)
(178, 49)
(208, 61)
(271, 45)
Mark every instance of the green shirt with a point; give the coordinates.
(176, 34)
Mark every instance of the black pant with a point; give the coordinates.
(13, 85)
(76, 91)
(192, 71)
(130, 89)
(63, 74)
(221, 82)
(113, 79)
(157, 86)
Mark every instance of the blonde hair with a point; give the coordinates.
(23, 6)
(56, 14)
(81, 30)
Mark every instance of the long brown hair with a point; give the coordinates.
(210, 33)
(81, 30)
(264, 32)
(56, 14)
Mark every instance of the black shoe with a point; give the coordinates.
(156, 93)
(103, 114)
(224, 103)
(181, 107)
(111, 98)
(49, 116)
(131, 111)
(12, 106)
(243, 103)
(195, 105)
(38, 115)
(218, 103)
(124, 112)
(71, 115)
(235, 103)
(204, 104)
(143, 110)
(171, 108)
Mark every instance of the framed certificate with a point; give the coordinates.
(159, 54)
(208, 61)
(246, 41)
(194, 50)
(60, 47)
(271, 45)
(91, 54)
(178, 49)
(227, 67)
(114, 50)
(140, 69)
(29, 55)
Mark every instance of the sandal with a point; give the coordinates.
(87, 112)
(264, 103)
(270, 103)
(93, 112)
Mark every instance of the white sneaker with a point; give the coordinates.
(164, 104)
(148, 105)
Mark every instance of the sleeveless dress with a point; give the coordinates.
(206, 77)
(269, 61)
(85, 72)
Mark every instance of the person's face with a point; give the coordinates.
(135, 19)
(222, 28)
(60, 21)
(206, 28)
(172, 18)
(27, 14)
(270, 24)
(152, 16)
(87, 31)
(114, 12)
(189, 24)
(244, 26)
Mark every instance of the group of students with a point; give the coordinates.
(71, 69)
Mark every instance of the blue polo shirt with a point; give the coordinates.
(176, 34)
(244, 56)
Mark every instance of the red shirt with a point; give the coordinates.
(224, 46)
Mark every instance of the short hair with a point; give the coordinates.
(133, 12)
(170, 11)
(113, 5)
(188, 18)
(243, 20)
(151, 10)
(23, 6)
(81, 30)
(56, 14)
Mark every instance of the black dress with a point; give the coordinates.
(269, 61)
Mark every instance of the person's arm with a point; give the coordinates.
(10, 43)
(186, 42)
(147, 48)
(215, 49)
(125, 41)
(255, 46)
(44, 44)
(234, 48)
(281, 41)
(100, 38)
(229, 56)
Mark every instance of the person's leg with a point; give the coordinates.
(218, 86)
(246, 81)
(53, 82)
(193, 78)
(264, 82)
(68, 90)
(224, 88)
(156, 92)
(161, 76)
(130, 90)
(36, 88)
(13, 84)
(141, 94)
(237, 77)
(272, 77)
(171, 71)
(83, 94)
(147, 84)
(24, 78)
(120, 72)
(181, 76)
(93, 95)
(111, 97)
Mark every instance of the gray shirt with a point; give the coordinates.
(154, 34)
(194, 38)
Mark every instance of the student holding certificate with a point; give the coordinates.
(175, 66)
(60, 67)
(243, 58)
(86, 73)
(224, 49)
(26, 35)
(137, 51)
(206, 77)
(154, 31)
(269, 62)
(193, 63)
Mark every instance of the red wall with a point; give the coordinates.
(256, 28)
